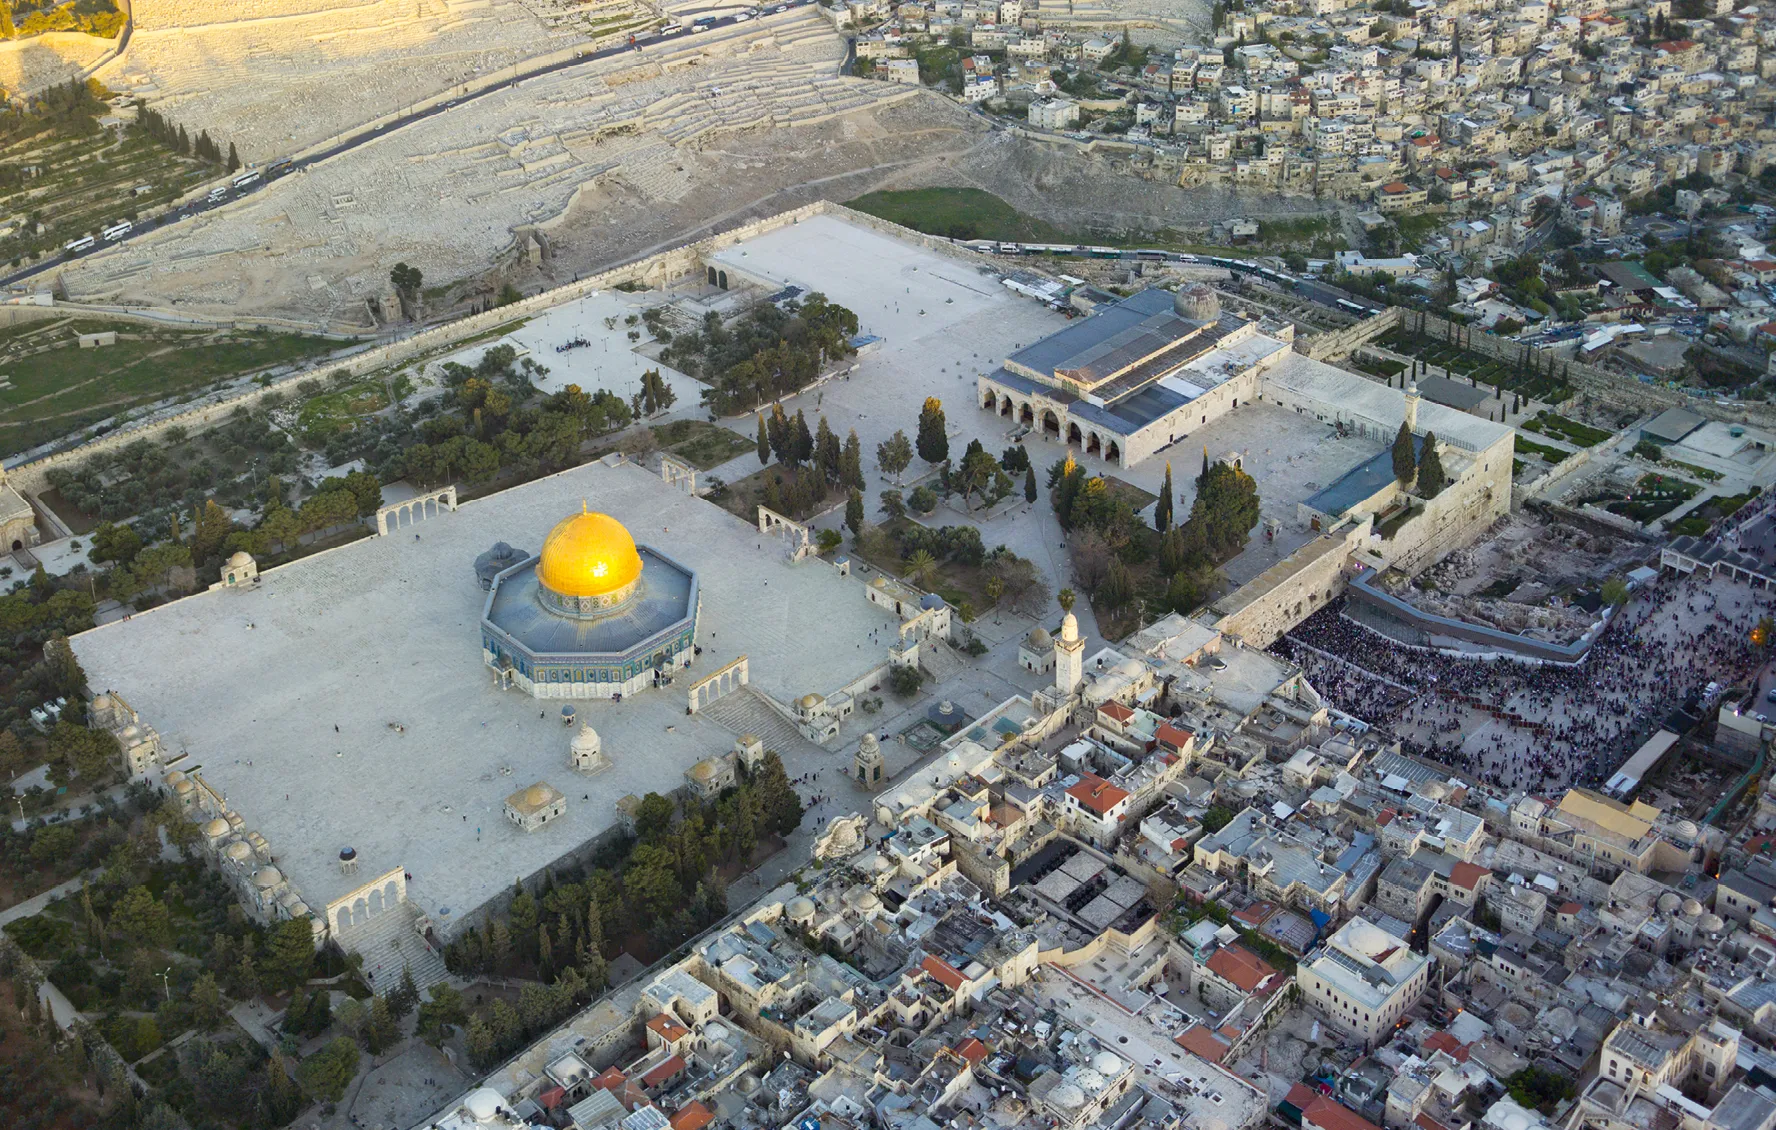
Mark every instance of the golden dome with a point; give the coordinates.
(588, 554)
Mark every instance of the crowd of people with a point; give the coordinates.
(1534, 725)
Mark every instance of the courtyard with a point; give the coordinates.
(344, 701)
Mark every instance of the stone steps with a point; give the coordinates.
(938, 660)
(387, 941)
(746, 712)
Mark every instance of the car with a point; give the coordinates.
(780, 8)
(1771, 696)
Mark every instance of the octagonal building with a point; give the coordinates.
(591, 616)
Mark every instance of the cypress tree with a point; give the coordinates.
(1431, 479)
(1405, 461)
(764, 441)
(1162, 510)
(933, 444)
(1030, 483)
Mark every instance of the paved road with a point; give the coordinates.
(73, 810)
(276, 170)
(36, 903)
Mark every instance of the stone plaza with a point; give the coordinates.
(344, 701)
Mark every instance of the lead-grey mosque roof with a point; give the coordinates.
(667, 595)
(1143, 321)
(1358, 483)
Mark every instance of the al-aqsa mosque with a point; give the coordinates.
(593, 615)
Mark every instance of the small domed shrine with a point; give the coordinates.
(593, 615)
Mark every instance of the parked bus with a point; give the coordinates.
(245, 179)
(112, 234)
(76, 246)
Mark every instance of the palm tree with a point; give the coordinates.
(995, 588)
(1065, 599)
(920, 567)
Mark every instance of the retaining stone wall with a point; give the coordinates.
(1338, 344)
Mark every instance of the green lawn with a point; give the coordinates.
(701, 444)
(1530, 447)
(1573, 432)
(961, 213)
(339, 410)
(54, 387)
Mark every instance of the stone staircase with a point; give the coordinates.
(387, 941)
(938, 660)
(745, 711)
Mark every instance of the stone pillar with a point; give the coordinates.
(1412, 408)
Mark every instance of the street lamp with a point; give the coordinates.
(164, 987)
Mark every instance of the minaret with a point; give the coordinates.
(1069, 657)
(867, 765)
(1412, 408)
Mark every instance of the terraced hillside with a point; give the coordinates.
(70, 186)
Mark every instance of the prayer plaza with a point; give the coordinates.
(347, 698)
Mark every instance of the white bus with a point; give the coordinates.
(115, 233)
(75, 246)
(245, 179)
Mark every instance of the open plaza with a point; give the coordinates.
(344, 701)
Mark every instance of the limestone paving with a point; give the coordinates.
(379, 639)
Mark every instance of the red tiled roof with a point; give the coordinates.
(1200, 1041)
(551, 1098)
(669, 1029)
(1300, 1096)
(972, 1050)
(1173, 737)
(1097, 794)
(1116, 712)
(1240, 967)
(945, 973)
(610, 1080)
(1394, 188)
(1568, 908)
(1426, 1122)
(665, 1071)
(1467, 875)
(694, 1116)
(1328, 1115)
(1444, 1042)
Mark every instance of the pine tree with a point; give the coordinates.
(1431, 478)
(1405, 461)
(1162, 510)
